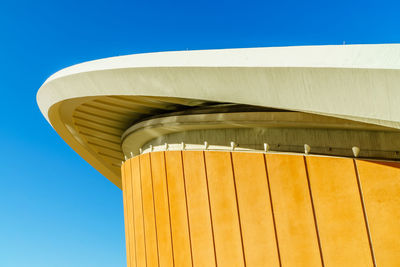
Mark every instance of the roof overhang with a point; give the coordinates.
(91, 104)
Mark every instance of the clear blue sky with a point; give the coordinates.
(56, 210)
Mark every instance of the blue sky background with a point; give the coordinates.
(55, 209)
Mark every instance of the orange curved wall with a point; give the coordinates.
(195, 208)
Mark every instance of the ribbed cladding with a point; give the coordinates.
(208, 208)
(102, 121)
(380, 185)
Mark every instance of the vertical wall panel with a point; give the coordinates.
(198, 209)
(224, 210)
(257, 224)
(339, 213)
(294, 218)
(130, 212)
(380, 183)
(161, 204)
(138, 214)
(148, 211)
(127, 204)
(178, 209)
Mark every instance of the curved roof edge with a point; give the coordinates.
(355, 82)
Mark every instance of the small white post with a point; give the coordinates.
(233, 145)
(307, 149)
(205, 145)
(356, 151)
(266, 147)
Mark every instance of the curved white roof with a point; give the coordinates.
(91, 104)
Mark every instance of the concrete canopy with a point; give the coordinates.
(91, 104)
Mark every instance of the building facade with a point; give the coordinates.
(285, 156)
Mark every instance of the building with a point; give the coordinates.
(284, 156)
